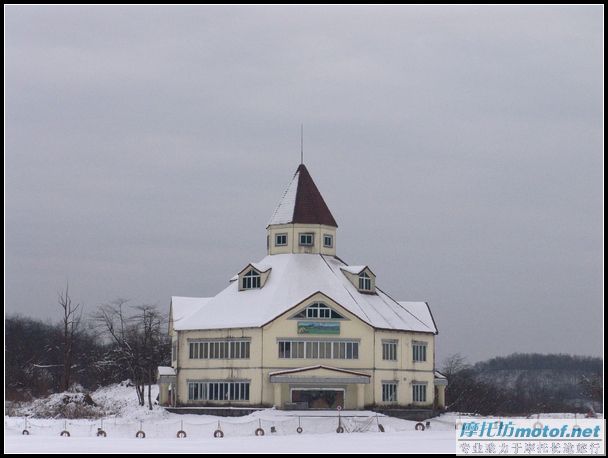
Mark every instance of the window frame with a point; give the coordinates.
(419, 352)
(220, 349)
(331, 241)
(389, 350)
(306, 234)
(365, 280)
(251, 280)
(318, 349)
(276, 239)
(419, 391)
(219, 390)
(390, 391)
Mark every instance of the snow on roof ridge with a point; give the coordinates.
(260, 267)
(353, 269)
(166, 370)
(283, 213)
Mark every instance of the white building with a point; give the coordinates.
(301, 328)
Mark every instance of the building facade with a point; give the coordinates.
(302, 329)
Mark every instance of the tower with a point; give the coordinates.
(302, 223)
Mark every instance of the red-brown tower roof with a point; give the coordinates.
(302, 203)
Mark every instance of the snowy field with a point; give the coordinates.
(123, 418)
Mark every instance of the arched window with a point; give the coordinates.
(251, 280)
(319, 310)
(365, 283)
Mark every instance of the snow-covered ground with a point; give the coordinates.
(124, 418)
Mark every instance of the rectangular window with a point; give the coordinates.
(218, 391)
(419, 392)
(389, 392)
(328, 241)
(389, 350)
(365, 283)
(251, 281)
(223, 349)
(419, 351)
(280, 239)
(307, 239)
(311, 349)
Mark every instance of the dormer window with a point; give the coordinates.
(361, 278)
(328, 241)
(365, 283)
(307, 239)
(251, 280)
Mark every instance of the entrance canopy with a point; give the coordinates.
(319, 374)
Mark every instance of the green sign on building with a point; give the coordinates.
(315, 327)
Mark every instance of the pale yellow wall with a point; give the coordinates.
(293, 239)
(404, 370)
(264, 358)
(220, 369)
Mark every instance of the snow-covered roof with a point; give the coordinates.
(164, 370)
(257, 266)
(354, 269)
(293, 278)
(422, 311)
(183, 307)
(302, 203)
(283, 213)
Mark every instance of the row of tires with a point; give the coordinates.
(218, 433)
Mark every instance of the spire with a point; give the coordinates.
(302, 203)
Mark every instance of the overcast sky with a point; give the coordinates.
(459, 149)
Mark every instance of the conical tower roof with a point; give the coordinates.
(302, 203)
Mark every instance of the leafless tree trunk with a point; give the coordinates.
(141, 344)
(71, 320)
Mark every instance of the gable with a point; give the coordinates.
(292, 312)
(318, 373)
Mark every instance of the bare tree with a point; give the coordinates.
(453, 364)
(140, 345)
(71, 320)
(154, 343)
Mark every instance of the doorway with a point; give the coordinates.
(318, 398)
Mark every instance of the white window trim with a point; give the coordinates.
(394, 383)
(248, 281)
(237, 389)
(391, 344)
(364, 279)
(416, 385)
(331, 241)
(276, 243)
(334, 349)
(416, 352)
(312, 238)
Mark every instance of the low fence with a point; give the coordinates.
(224, 427)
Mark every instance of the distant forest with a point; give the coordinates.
(524, 384)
